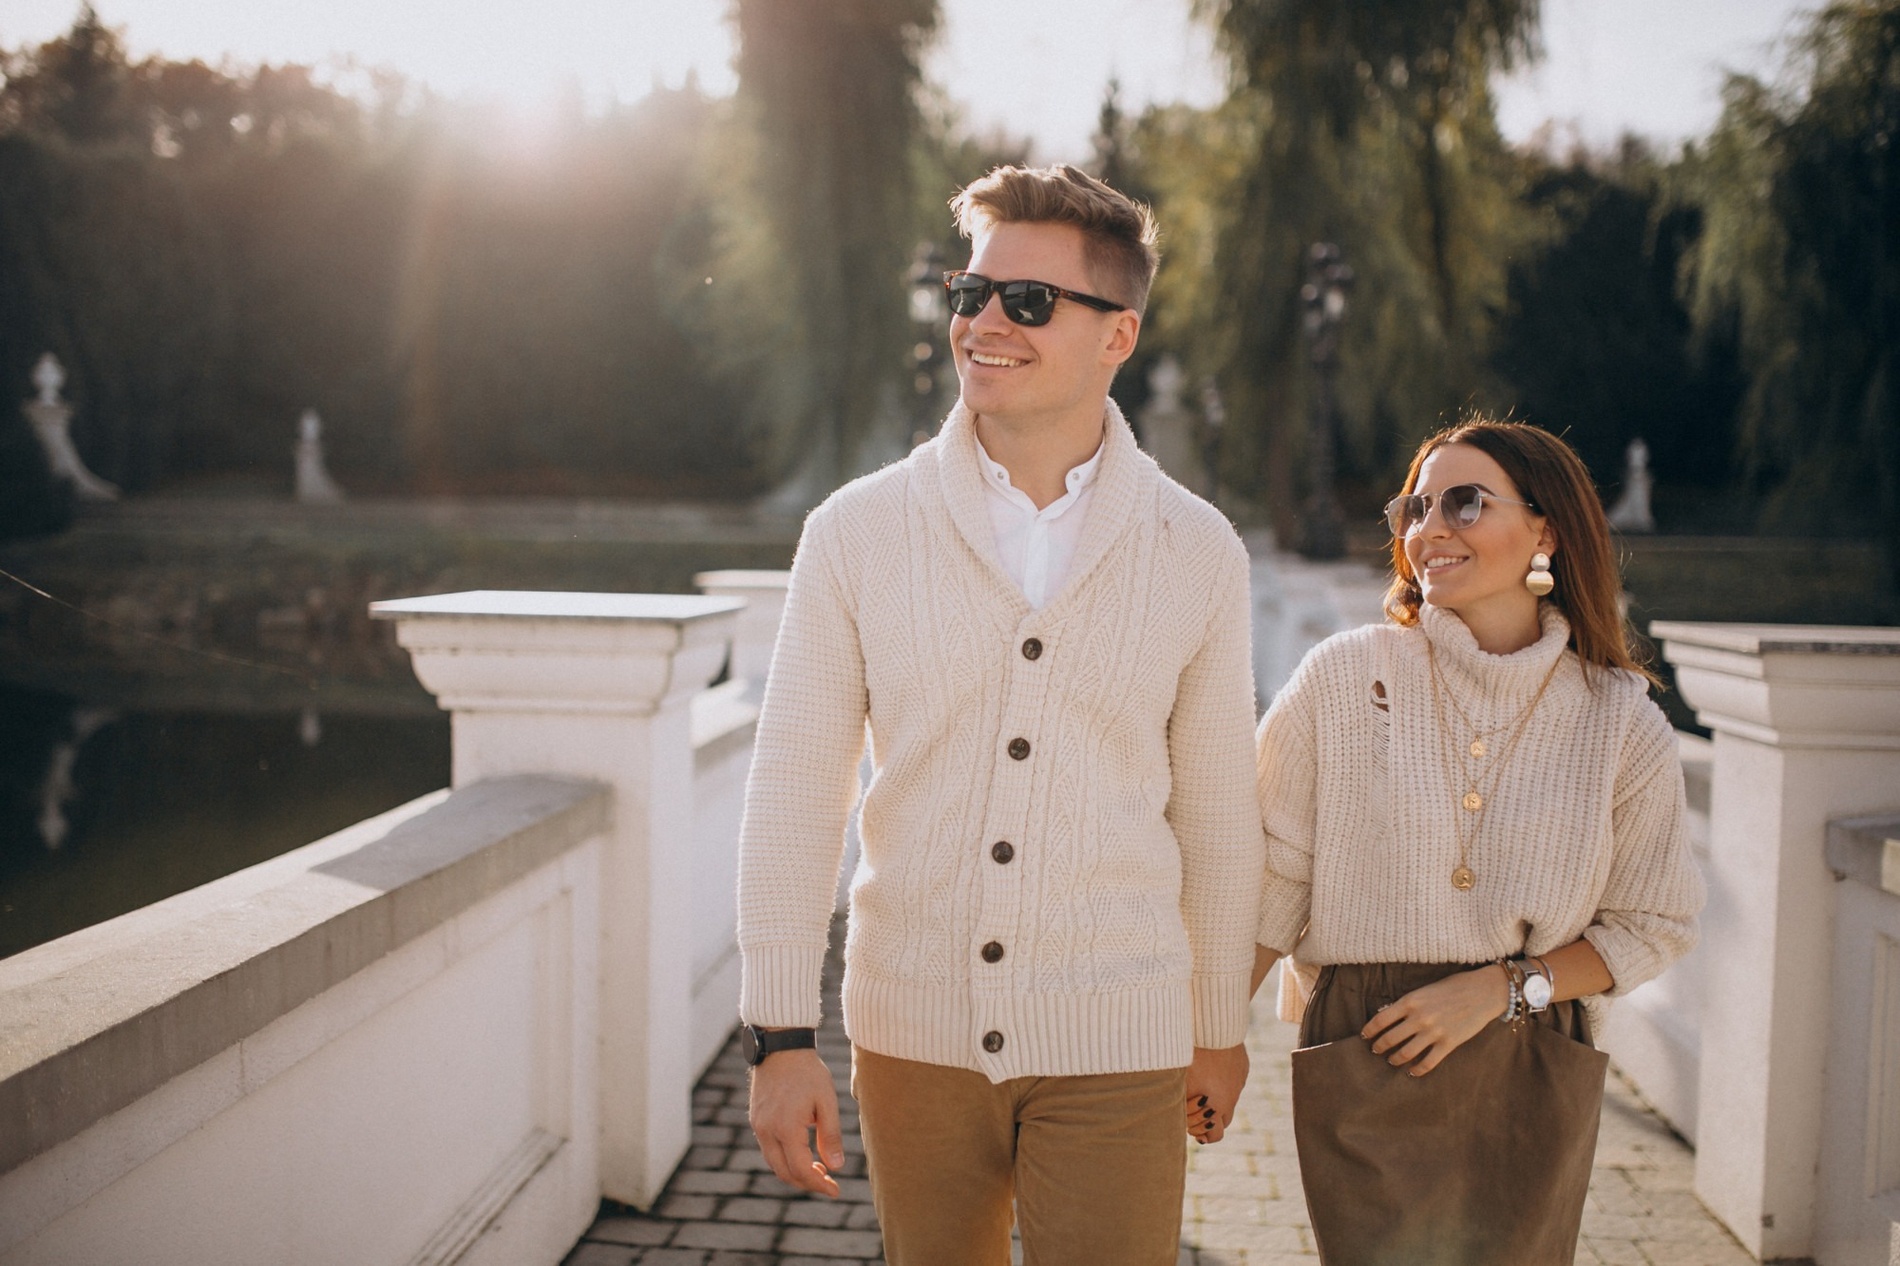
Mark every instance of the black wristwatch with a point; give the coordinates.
(756, 1043)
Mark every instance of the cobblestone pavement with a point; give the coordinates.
(1244, 1203)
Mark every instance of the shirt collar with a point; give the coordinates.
(1075, 481)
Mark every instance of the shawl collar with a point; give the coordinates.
(1126, 480)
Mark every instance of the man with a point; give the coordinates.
(1052, 920)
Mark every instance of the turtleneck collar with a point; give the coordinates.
(1475, 672)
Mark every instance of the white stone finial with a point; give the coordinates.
(49, 376)
(52, 419)
(314, 485)
(1631, 513)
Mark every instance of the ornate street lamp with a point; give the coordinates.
(1323, 301)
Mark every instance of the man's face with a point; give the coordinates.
(1019, 373)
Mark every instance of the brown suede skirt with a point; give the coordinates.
(1484, 1161)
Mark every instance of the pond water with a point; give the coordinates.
(104, 810)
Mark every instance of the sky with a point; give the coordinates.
(1034, 67)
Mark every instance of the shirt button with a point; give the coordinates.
(1019, 749)
(993, 952)
(1002, 851)
(1032, 649)
(992, 1041)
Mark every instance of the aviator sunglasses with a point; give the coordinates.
(1461, 505)
(1024, 302)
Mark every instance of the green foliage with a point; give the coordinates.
(1368, 125)
(470, 305)
(1595, 344)
(828, 94)
(1799, 189)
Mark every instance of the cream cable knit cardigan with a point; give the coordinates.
(1112, 758)
(1583, 836)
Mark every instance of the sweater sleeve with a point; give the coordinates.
(1287, 783)
(1213, 815)
(1646, 918)
(803, 785)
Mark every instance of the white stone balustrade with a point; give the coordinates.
(600, 686)
(1806, 726)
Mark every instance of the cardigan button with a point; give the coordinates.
(992, 1041)
(993, 952)
(1032, 649)
(1019, 749)
(1002, 851)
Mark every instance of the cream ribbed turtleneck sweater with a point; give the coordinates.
(1582, 835)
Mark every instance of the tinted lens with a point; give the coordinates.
(1403, 513)
(1028, 302)
(1462, 504)
(968, 294)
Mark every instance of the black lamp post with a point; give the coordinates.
(1323, 301)
(929, 315)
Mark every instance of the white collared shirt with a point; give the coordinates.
(1036, 547)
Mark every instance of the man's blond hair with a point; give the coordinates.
(1118, 233)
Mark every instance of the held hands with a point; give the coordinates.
(1429, 1023)
(792, 1095)
(1214, 1081)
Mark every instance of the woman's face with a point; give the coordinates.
(1480, 568)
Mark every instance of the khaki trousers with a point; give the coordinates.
(1096, 1165)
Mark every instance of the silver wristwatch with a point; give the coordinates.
(1537, 983)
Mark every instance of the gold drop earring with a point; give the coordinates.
(1540, 581)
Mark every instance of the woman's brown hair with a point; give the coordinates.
(1548, 474)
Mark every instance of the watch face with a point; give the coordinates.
(749, 1044)
(1537, 992)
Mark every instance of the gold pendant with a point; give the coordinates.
(1472, 801)
(1477, 749)
(1462, 879)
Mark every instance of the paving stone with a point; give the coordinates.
(818, 1212)
(714, 1135)
(861, 1217)
(723, 1258)
(589, 1254)
(672, 1257)
(708, 1182)
(642, 1232)
(752, 1209)
(820, 1242)
(735, 1235)
(685, 1206)
(706, 1157)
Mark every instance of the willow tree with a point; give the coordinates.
(828, 93)
(1370, 125)
(1799, 189)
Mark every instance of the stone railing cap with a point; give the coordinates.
(1858, 848)
(1786, 639)
(538, 605)
(742, 579)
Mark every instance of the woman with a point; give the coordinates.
(1475, 838)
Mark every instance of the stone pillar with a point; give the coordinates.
(764, 595)
(599, 686)
(1806, 725)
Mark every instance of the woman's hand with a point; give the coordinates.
(1431, 1022)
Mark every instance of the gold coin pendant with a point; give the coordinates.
(1472, 801)
(1462, 879)
(1477, 749)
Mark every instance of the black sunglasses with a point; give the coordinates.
(1024, 302)
(1460, 504)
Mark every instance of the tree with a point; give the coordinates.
(1369, 125)
(829, 89)
(1799, 190)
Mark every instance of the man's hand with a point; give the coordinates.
(1213, 1089)
(792, 1095)
(1433, 1021)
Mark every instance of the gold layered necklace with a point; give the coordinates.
(1468, 817)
